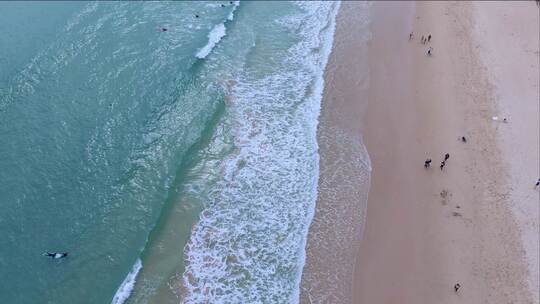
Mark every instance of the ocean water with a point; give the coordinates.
(175, 166)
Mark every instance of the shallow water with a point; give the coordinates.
(191, 150)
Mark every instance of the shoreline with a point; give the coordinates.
(335, 231)
(429, 229)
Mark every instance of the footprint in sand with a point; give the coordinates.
(445, 195)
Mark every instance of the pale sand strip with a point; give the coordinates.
(417, 242)
(508, 36)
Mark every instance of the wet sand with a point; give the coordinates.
(335, 232)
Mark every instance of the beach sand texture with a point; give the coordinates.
(429, 229)
(476, 221)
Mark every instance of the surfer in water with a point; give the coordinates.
(56, 255)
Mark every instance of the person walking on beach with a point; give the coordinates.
(422, 40)
(446, 156)
(429, 37)
(429, 51)
(410, 36)
(442, 164)
(537, 184)
(457, 286)
(427, 163)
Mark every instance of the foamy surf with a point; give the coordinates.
(249, 243)
(219, 31)
(231, 14)
(125, 289)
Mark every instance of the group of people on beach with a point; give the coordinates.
(423, 40)
(427, 163)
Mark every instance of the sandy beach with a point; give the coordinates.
(427, 230)
(476, 221)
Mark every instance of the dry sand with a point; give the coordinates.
(508, 42)
(428, 229)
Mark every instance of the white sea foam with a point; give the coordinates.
(231, 14)
(326, 48)
(123, 292)
(249, 244)
(214, 37)
(219, 31)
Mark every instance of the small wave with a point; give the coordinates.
(219, 31)
(214, 37)
(231, 14)
(124, 291)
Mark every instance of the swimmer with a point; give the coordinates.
(56, 255)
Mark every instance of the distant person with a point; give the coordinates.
(537, 183)
(422, 39)
(410, 36)
(446, 156)
(427, 163)
(442, 165)
(429, 51)
(196, 16)
(496, 118)
(162, 29)
(463, 139)
(56, 255)
(457, 286)
(429, 37)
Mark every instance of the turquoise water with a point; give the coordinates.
(190, 152)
